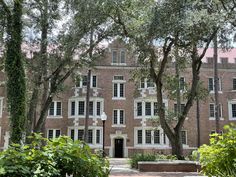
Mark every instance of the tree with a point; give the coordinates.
(185, 25)
(16, 85)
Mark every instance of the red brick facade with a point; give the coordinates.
(129, 107)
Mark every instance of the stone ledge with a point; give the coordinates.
(169, 166)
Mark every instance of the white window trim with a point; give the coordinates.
(122, 50)
(118, 57)
(220, 85)
(152, 145)
(143, 107)
(118, 82)
(94, 100)
(54, 116)
(94, 130)
(1, 107)
(145, 85)
(221, 109)
(118, 118)
(230, 109)
(91, 81)
(54, 132)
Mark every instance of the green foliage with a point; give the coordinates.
(219, 158)
(56, 159)
(149, 157)
(141, 157)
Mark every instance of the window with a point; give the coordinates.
(148, 137)
(210, 60)
(150, 83)
(232, 110)
(139, 109)
(118, 117)
(182, 83)
(77, 107)
(54, 133)
(94, 135)
(81, 108)
(118, 87)
(212, 110)
(184, 137)
(146, 83)
(140, 136)
(118, 57)
(234, 83)
(157, 137)
(142, 83)
(55, 109)
(98, 136)
(148, 109)
(181, 108)
(81, 81)
(114, 56)
(224, 60)
(211, 84)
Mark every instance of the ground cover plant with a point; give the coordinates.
(57, 158)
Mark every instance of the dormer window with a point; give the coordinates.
(118, 57)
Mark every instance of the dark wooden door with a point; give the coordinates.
(119, 148)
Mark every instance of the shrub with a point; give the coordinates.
(56, 159)
(219, 158)
(141, 157)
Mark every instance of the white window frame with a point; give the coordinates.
(94, 100)
(221, 109)
(91, 81)
(55, 110)
(143, 101)
(118, 62)
(230, 109)
(145, 82)
(94, 130)
(118, 82)
(118, 124)
(122, 50)
(152, 145)
(220, 85)
(54, 132)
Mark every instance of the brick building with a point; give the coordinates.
(130, 106)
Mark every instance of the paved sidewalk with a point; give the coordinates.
(121, 168)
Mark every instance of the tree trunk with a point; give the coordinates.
(16, 85)
(177, 147)
(198, 124)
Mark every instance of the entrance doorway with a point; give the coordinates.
(119, 147)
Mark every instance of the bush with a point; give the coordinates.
(56, 159)
(219, 158)
(141, 157)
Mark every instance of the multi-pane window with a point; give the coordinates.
(150, 83)
(55, 109)
(182, 83)
(118, 57)
(82, 81)
(81, 108)
(184, 137)
(148, 111)
(157, 137)
(139, 109)
(181, 108)
(148, 136)
(94, 135)
(77, 107)
(118, 87)
(212, 110)
(139, 136)
(114, 56)
(211, 84)
(233, 110)
(147, 83)
(234, 83)
(122, 56)
(54, 133)
(142, 83)
(118, 116)
(148, 108)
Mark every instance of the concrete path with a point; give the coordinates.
(121, 168)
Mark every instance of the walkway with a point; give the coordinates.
(120, 168)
